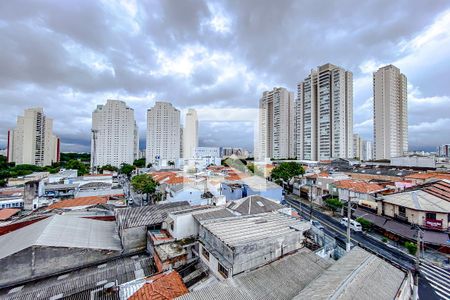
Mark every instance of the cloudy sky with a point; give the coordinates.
(218, 57)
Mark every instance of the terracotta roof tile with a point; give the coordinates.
(429, 176)
(81, 201)
(169, 177)
(165, 286)
(7, 213)
(359, 186)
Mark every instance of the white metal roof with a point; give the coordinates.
(243, 229)
(62, 231)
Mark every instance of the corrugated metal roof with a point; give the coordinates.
(147, 215)
(419, 200)
(357, 275)
(212, 214)
(282, 279)
(62, 231)
(79, 284)
(253, 204)
(244, 229)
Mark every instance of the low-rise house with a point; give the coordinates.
(364, 193)
(315, 186)
(55, 244)
(133, 222)
(253, 185)
(428, 206)
(193, 193)
(230, 246)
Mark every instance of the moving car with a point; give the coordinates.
(356, 226)
(317, 224)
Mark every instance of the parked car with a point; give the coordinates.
(356, 226)
(317, 224)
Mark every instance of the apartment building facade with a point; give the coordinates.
(190, 134)
(390, 113)
(324, 114)
(163, 134)
(32, 140)
(114, 135)
(276, 125)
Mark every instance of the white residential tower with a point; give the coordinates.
(114, 135)
(390, 113)
(163, 134)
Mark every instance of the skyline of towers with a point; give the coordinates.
(390, 113)
(32, 140)
(114, 135)
(317, 125)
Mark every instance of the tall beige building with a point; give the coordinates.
(275, 137)
(32, 141)
(390, 113)
(163, 134)
(324, 114)
(115, 137)
(190, 134)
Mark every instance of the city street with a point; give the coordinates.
(433, 283)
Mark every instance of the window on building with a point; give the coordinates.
(402, 211)
(205, 253)
(431, 216)
(222, 270)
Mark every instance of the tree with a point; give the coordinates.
(411, 247)
(334, 203)
(108, 168)
(366, 224)
(78, 165)
(287, 170)
(139, 163)
(149, 165)
(144, 184)
(171, 163)
(126, 169)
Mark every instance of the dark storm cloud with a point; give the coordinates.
(69, 56)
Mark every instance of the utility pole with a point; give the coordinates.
(349, 207)
(417, 266)
(310, 200)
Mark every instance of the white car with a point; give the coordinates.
(356, 226)
(317, 224)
